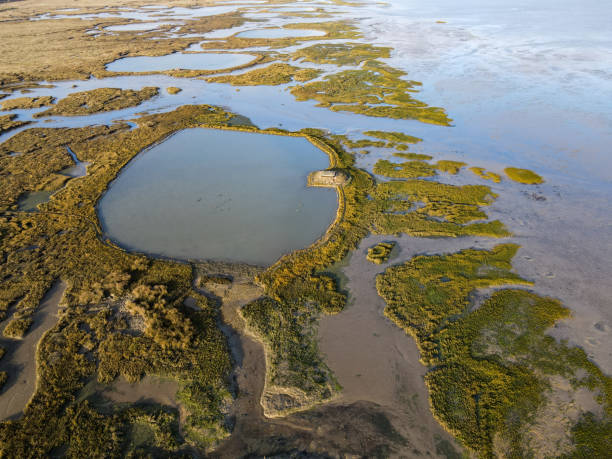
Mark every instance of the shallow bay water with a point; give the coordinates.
(222, 195)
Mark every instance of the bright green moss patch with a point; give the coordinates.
(7, 122)
(341, 54)
(21, 103)
(409, 169)
(490, 367)
(271, 75)
(450, 167)
(99, 100)
(17, 328)
(173, 90)
(380, 252)
(523, 176)
(374, 90)
(487, 175)
(395, 137)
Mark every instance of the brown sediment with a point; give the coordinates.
(21, 103)
(20, 359)
(7, 122)
(99, 100)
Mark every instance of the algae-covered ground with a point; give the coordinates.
(109, 353)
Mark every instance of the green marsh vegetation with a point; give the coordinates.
(300, 286)
(485, 174)
(393, 137)
(380, 252)
(373, 90)
(493, 369)
(271, 75)
(523, 176)
(408, 169)
(8, 122)
(99, 100)
(334, 30)
(413, 156)
(124, 314)
(86, 55)
(341, 54)
(431, 209)
(21, 103)
(450, 167)
(173, 90)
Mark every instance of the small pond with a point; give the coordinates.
(220, 195)
(200, 61)
(280, 33)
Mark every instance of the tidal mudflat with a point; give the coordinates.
(220, 195)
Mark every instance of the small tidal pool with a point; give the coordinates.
(220, 195)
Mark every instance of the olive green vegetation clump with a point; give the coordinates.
(380, 252)
(124, 314)
(491, 368)
(271, 75)
(408, 169)
(487, 175)
(426, 208)
(173, 90)
(450, 167)
(341, 54)
(17, 327)
(523, 176)
(414, 156)
(393, 137)
(334, 30)
(373, 90)
(99, 100)
(8, 122)
(21, 103)
(361, 143)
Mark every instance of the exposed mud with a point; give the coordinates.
(19, 361)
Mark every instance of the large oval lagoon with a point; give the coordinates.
(220, 195)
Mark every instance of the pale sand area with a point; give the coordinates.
(20, 358)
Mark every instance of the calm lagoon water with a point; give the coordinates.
(201, 61)
(222, 195)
